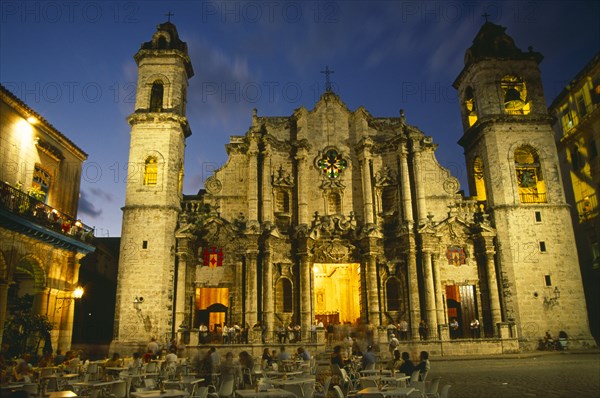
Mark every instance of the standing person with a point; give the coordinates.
(203, 330)
(225, 334)
(215, 360)
(348, 342)
(407, 367)
(423, 330)
(153, 347)
(475, 328)
(369, 359)
(403, 326)
(393, 344)
(454, 328)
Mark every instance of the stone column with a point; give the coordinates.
(301, 155)
(182, 298)
(267, 190)
(253, 180)
(372, 294)
(3, 309)
(268, 301)
(305, 297)
(251, 287)
(413, 291)
(493, 288)
(420, 186)
(367, 191)
(429, 295)
(238, 312)
(439, 294)
(406, 214)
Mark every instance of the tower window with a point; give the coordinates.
(479, 181)
(542, 246)
(144, 244)
(151, 171)
(532, 187)
(470, 106)
(156, 97)
(548, 280)
(538, 216)
(515, 96)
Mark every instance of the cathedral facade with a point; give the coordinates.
(335, 215)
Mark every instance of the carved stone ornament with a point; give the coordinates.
(451, 185)
(213, 185)
(385, 177)
(334, 251)
(282, 179)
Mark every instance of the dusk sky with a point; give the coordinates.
(72, 62)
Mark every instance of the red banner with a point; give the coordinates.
(213, 257)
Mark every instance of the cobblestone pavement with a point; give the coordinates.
(548, 375)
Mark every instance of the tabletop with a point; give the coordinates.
(159, 394)
(270, 393)
(287, 382)
(387, 392)
(62, 394)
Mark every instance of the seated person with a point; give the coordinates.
(395, 362)
(303, 354)
(267, 359)
(114, 361)
(407, 367)
(424, 365)
(283, 355)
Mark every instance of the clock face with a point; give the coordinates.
(332, 164)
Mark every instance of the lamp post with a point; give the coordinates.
(65, 322)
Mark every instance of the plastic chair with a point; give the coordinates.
(31, 389)
(366, 383)
(226, 388)
(295, 389)
(119, 390)
(199, 392)
(321, 390)
(444, 392)
(432, 389)
(338, 392)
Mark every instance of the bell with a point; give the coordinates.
(512, 95)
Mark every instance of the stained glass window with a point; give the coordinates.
(332, 164)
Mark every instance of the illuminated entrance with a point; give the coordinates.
(337, 292)
(211, 307)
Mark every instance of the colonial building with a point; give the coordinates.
(333, 214)
(576, 112)
(41, 239)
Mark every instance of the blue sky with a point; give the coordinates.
(72, 61)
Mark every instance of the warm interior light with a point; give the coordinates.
(32, 120)
(78, 292)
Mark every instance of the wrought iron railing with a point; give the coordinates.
(533, 197)
(28, 207)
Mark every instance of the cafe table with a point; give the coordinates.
(62, 394)
(386, 392)
(270, 393)
(85, 387)
(160, 394)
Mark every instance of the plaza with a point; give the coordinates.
(541, 374)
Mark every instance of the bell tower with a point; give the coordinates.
(513, 171)
(159, 128)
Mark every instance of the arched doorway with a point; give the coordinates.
(212, 304)
(337, 292)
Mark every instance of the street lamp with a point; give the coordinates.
(73, 295)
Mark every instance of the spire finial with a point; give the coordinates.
(327, 73)
(485, 16)
(169, 15)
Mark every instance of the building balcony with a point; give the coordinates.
(539, 197)
(23, 213)
(587, 208)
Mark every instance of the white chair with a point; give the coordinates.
(366, 383)
(226, 389)
(432, 388)
(295, 389)
(31, 389)
(199, 392)
(445, 390)
(338, 392)
(321, 390)
(118, 390)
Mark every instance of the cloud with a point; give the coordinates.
(100, 194)
(86, 207)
